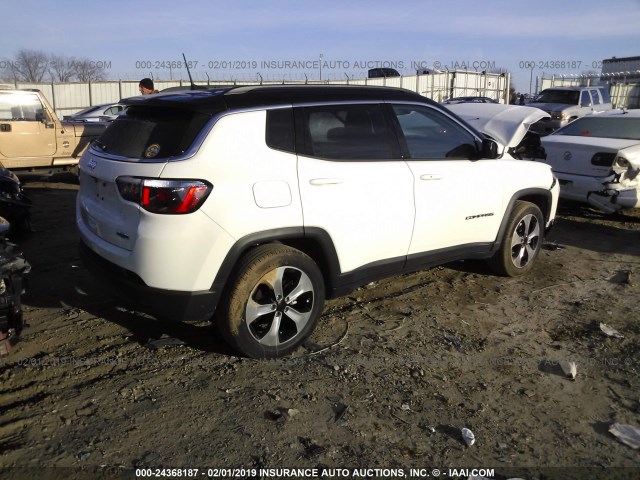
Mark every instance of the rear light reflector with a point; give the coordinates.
(164, 196)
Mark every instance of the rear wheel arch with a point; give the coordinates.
(275, 297)
(314, 242)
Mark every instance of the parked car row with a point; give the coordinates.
(251, 205)
(339, 184)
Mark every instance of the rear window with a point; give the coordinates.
(152, 133)
(603, 127)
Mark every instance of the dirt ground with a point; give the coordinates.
(387, 382)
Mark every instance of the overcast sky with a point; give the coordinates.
(241, 39)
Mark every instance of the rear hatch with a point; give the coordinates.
(136, 145)
(582, 155)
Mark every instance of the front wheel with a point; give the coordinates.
(275, 299)
(522, 241)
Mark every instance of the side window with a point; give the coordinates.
(430, 134)
(20, 107)
(585, 98)
(280, 130)
(112, 110)
(606, 98)
(346, 132)
(595, 97)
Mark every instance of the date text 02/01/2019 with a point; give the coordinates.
(309, 472)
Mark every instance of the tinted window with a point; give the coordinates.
(559, 96)
(606, 98)
(603, 127)
(113, 110)
(382, 72)
(585, 98)
(146, 133)
(431, 134)
(280, 131)
(346, 132)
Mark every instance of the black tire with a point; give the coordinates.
(258, 317)
(522, 241)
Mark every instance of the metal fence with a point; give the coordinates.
(624, 93)
(68, 98)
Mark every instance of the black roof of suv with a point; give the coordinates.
(216, 100)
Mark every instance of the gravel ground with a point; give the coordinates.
(385, 385)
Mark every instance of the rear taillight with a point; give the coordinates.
(164, 196)
(603, 159)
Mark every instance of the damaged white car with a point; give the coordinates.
(509, 125)
(597, 159)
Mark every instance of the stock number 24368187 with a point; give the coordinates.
(164, 64)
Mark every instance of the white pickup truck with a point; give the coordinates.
(565, 104)
(33, 139)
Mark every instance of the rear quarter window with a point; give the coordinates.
(152, 133)
(280, 130)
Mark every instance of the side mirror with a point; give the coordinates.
(42, 117)
(489, 148)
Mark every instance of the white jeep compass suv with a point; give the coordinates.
(251, 205)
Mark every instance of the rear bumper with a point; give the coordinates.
(134, 293)
(600, 192)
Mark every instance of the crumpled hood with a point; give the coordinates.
(508, 124)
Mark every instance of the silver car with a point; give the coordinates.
(597, 159)
(105, 112)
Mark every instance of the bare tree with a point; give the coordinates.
(34, 66)
(29, 66)
(88, 71)
(61, 69)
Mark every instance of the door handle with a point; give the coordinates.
(318, 182)
(431, 176)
